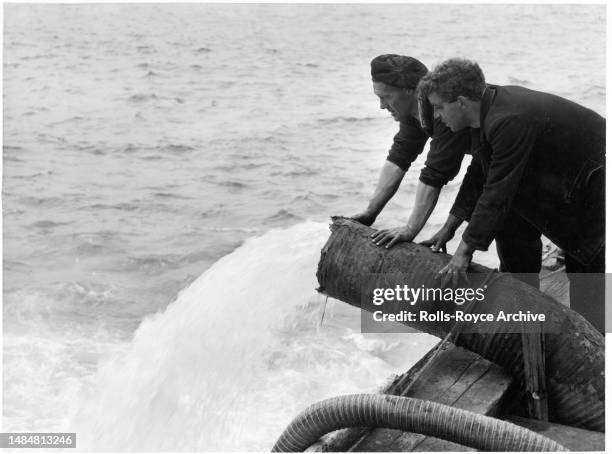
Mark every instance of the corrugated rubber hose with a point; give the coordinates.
(412, 415)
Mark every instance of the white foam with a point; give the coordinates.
(233, 359)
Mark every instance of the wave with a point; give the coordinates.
(42, 201)
(232, 229)
(343, 119)
(294, 173)
(214, 211)
(283, 215)
(32, 176)
(171, 195)
(12, 149)
(595, 90)
(517, 81)
(153, 157)
(232, 184)
(53, 338)
(12, 159)
(122, 206)
(234, 358)
(152, 264)
(177, 148)
(143, 97)
(239, 165)
(47, 224)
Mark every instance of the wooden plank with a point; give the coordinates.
(452, 394)
(480, 389)
(440, 375)
(405, 444)
(405, 380)
(378, 440)
(455, 377)
(572, 438)
(431, 444)
(485, 395)
(555, 284)
(443, 376)
(535, 375)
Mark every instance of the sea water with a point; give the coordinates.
(169, 173)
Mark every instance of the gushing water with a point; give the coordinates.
(234, 358)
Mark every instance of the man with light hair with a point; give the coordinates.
(394, 79)
(539, 169)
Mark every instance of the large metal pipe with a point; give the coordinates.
(574, 350)
(412, 415)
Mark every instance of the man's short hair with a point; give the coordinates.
(397, 70)
(453, 78)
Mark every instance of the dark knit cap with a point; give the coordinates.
(397, 70)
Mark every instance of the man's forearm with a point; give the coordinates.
(389, 180)
(465, 249)
(452, 223)
(425, 201)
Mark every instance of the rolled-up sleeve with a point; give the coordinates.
(512, 140)
(445, 154)
(408, 143)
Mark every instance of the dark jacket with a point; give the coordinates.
(445, 154)
(542, 157)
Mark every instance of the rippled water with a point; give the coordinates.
(145, 143)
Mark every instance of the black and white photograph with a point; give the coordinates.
(284, 227)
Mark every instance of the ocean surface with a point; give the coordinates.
(169, 173)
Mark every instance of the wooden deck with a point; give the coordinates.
(462, 379)
(456, 377)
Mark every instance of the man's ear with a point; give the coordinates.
(462, 101)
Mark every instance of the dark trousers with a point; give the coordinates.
(519, 248)
(588, 289)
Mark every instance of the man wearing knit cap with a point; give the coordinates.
(395, 78)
